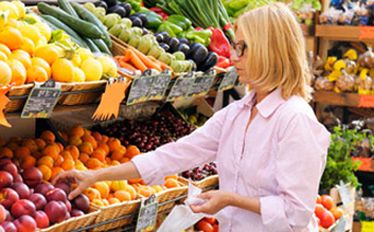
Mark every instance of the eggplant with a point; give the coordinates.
(184, 48)
(159, 37)
(209, 62)
(200, 54)
(165, 46)
(173, 43)
(193, 48)
(166, 36)
(111, 3)
(136, 21)
(142, 17)
(118, 10)
(145, 31)
(127, 6)
(101, 4)
(183, 40)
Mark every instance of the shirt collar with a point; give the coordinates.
(267, 106)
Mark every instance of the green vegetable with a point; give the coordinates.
(101, 45)
(111, 19)
(166, 58)
(137, 31)
(134, 40)
(153, 20)
(93, 48)
(89, 17)
(117, 29)
(126, 22)
(65, 5)
(180, 21)
(83, 28)
(179, 55)
(60, 25)
(172, 29)
(125, 35)
(202, 36)
(145, 44)
(156, 51)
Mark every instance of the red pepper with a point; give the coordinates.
(223, 62)
(160, 12)
(156, 9)
(219, 43)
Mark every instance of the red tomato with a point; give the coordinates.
(211, 220)
(327, 219)
(319, 210)
(216, 227)
(319, 200)
(205, 226)
(337, 212)
(327, 201)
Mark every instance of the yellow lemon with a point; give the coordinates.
(77, 60)
(118, 185)
(3, 57)
(28, 46)
(5, 73)
(42, 42)
(12, 9)
(78, 75)
(44, 30)
(4, 49)
(36, 61)
(3, 19)
(92, 69)
(84, 53)
(49, 53)
(63, 70)
(31, 32)
(22, 56)
(36, 73)
(11, 37)
(109, 66)
(20, 7)
(18, 72)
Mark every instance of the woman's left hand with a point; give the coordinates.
(215, 201)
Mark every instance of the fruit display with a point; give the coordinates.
(207, 224)
(200, 173)
(326, 211)
(193, 116)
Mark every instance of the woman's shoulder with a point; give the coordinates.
(297, 106)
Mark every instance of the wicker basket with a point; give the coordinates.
(170, 195)
(73, 223)
(206, 183)
(84, 97)
(17, 104)
(113, 212)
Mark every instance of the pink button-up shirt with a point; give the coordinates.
(279, 159)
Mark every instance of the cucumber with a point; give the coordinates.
(60, 25)
(102, 46)
(92, 45)
(65, 5)
(83, 28)
(89, 17)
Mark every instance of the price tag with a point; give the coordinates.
(42, 100)
(181, 87)
(139, 90)
(159, 86)
(367, 226)
(228, 80)
(201, 85)
(366, 101)
(147, 215)
(366, 32)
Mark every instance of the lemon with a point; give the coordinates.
(92, 69)
(36, 61)
(31, 32)
(84, 53)
(28, 46)
(63, 70)
(12, 9)
(78, 75)
(44, 30)
(3, 19)
(49, 53)
(21, 8)
(5, 73)
(109, 66)
(18, 71)
(77, 60)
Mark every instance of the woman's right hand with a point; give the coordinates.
(84, 179)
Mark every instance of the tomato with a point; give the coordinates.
(327, 201)
(327, 219)
(318, 210)
(216, 227)
(319, 200)
(337, 212)
(205, 226)
(211, 220)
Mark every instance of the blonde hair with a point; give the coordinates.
(276, 51)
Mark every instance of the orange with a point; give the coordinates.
(113, 201)
(104, 147)
(175, 177)
(86, 148)
(6, 152)
(77, 131)
(66, 155)
(64, 136)
(28, 162)
(48, 136)
(18, 72)
(52, 151)
(92, 193)
(59, 161)
(22, 152)
(115, 162)
(23, 57)
(29, 143)
(122, 195)
(28, 46)
(97, 136)
(36, 73)
(84, 157)
(74, 151)
(114, 144)
(5, 73)
(171, 183)
(46, 171)
(75, 140)
(46, 161)
(90, 139)
(11, 37)
(135, 181)
(68, 164)
(40, 143)
(49, 53)
(124, 160)
(104, 139)
(145, 191)
(93, 163)
(103, 188)
(117, 155)
(108, 160)
(37, 154)
(60, 147)
(56, 171)
(80, 166)
(36, 61)
(4, 49)
(130, 189)
(87, 132)
(132, 151)
(99, 154)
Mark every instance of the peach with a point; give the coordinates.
(9, 227)
(39, 201)
(82, 203)
(3, 214)
(22, 190)
(64, 186)
(8, 197)
(32, 176)
(18, 179)
(25, 224)
(43, 188)
(41, 219)
(56, 194)
(56, 211)
(23, 207)
(76, 213)
(6, 179)
(11, 168)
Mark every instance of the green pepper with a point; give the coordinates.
(153, 20)
(176, 29)
(238, 4)
(180, 21)
(165, 27)
(202, 36)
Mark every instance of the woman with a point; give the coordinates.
(269, 146)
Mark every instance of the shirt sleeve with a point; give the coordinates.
(188, 152)
(299, 166)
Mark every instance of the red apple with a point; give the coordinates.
(82, 202)
(7, 197)
(11, 168)
(22, 190)
(68, 206)
(23, 207)
(6, 179)
(4, 162)
(56, 211)
(3, 214)
(42, 220)
(25, 224)
(76, 213)
(39, 200)
(64, 186)
(56, 194)
(9, 227)
(18, 178)
(32, 176)
(43, 188)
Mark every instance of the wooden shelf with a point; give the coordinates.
(308, 30)
(344, 99)
(342, 33)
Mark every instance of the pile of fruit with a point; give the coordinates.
(192, 116)
(207, 224)
(200, 173)
(350, 73)
(326, 211)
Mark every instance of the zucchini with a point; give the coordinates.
(102, 46)
(60, 25)
(89, 17)
(91, 45)
(65, 5)
(83, 28)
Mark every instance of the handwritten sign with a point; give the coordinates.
(181, 88)
(366, 101)
(366, 32)
(159, 86)
(147, 215)
(201, 85)
(228, 80)
(139, 90)
(42, 100)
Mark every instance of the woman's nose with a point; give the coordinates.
(233, 56)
